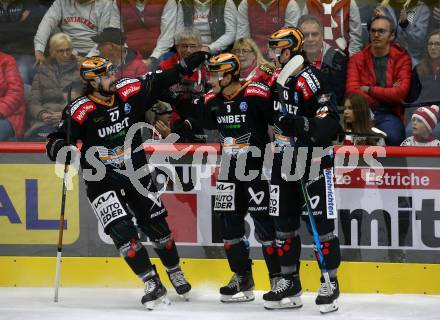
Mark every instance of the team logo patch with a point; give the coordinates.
(274, 202)
(295, 97)
(224, 197)
(258, 90)
(127, 108)
(108, 208)
(330, 194)
(209, 96)
(80, 113)
(243, 106)
(129, 90)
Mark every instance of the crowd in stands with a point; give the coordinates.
(382, 58)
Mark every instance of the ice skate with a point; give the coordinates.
(179, 282)
(239, 289)
(286, 294)
(155, 292)
(328, 303)
(273, 279)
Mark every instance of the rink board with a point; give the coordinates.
(354, 277)
(389, 228)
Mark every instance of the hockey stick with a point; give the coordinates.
(63, 204)
(292, 68)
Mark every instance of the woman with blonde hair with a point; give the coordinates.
(412, 20)
(54, 77)
(253, 65)
(358, 123)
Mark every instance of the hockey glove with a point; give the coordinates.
(293, 126)
(53, 146)
(193, 61)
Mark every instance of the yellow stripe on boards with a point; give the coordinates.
(354, 277)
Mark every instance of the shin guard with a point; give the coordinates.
(331, 250)
(271, 259)
(237, 253)
(167, 252)
(136, 256)
(288, 250)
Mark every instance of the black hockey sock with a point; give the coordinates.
(271, 259)
(167, 253)
(331, 251)
(238, 256)
(136, 256)
(288, 250)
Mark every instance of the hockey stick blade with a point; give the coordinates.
(291, 68)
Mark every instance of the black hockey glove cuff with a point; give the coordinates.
(193, 61)
(294, 126)
(53, 146)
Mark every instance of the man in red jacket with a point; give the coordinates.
(12, 108)
(382, 73)
(111, 45)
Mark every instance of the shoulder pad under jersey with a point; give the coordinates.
(257, 89)
(307, 83)
(127, 87)
(209, 96)
(80, 108)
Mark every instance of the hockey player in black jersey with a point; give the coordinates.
(305, 115)
(241, 112)
(101, 119)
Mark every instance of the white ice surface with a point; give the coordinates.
(124, 304)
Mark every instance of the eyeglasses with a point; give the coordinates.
(311, 34)
(434, 44)
(62, 51)
(381, 32)
(188, 46)
(242, 51)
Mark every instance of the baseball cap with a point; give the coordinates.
(113, 35)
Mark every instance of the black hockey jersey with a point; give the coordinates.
(307, 95)
(241, 119)
(104, 126)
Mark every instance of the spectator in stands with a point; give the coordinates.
(358, 120)
(18, 22)
(424, 120)
(332, 62)
(341, 21)
(426, 76)
(382, 73)
(12, 107)
(258, 19)
(253, 66)
(215, 20)
(182, 94)
(80, 19)
(412, 18)
(56, 74)
(160, 117)
(149, 26)
(436, 14)
(111, 45)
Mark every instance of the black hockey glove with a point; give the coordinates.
(293, 126)
(53, 146)
(193, 61)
